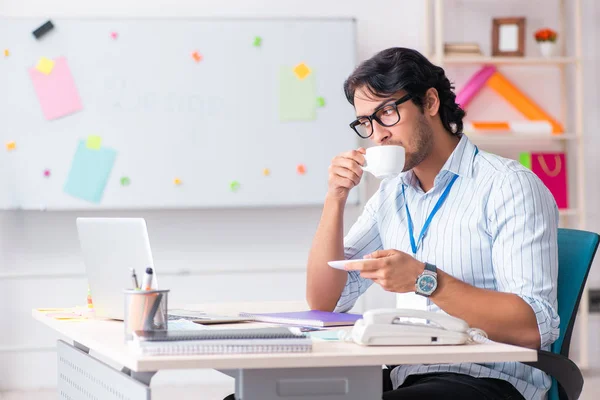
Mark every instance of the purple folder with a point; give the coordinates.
(306, 318)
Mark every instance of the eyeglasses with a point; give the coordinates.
(387, 116)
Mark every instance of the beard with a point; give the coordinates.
(423, 142)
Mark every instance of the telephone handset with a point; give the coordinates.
(396, 327)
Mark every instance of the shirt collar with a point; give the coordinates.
(461, 160)
(459, 163)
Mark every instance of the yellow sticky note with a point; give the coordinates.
(177, 181)
(6, 53)
(45, 66)
(94, 142)
(11, 146)
(302, 71)
(266, 172)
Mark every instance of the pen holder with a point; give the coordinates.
(145, 310)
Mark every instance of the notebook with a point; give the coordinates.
(220, 341)
(306, 318)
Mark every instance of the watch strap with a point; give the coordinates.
(431, 268)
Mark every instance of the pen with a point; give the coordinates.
(147, 281)
(134, 279)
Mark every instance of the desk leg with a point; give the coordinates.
(81, 376)
(344, 383)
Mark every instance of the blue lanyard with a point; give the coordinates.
(436, 208)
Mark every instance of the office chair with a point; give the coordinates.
(576, 250)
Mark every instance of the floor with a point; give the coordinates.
(218, 392)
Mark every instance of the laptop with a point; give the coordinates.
(110, 248)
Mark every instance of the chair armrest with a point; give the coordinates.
(565, 371)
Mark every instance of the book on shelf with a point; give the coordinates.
(462, 49)
(221, 341)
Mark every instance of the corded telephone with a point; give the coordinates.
(395, 327)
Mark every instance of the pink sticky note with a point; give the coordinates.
(114, 35)
(56, 92)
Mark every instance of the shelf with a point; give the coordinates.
(523, 137)
(508, 60)
(568, 212)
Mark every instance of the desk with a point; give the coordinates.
(332, 371)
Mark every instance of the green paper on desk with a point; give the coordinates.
(89, 172)
(326, 334)
(297, 96)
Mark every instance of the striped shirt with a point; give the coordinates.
(496, 230)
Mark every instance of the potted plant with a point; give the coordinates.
(546, 39)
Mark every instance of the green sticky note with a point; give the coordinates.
(125, 181)
(90, 170)
(525, 160)
(320, 101)
(94, 142)
(297, 96)
(234, 186)
(326, 334)
(257, 41)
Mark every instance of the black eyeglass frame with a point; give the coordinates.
(374, 116)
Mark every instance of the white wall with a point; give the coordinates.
(231, 255)
(39, 254)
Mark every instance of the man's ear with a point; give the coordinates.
(431, 104)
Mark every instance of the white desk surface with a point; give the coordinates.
(106, 338)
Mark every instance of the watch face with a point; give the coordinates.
(427, 284)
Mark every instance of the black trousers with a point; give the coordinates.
(447, 385)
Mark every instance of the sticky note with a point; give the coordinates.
(234, 186)
(326, 334)
(90, 170)
(45, 66)
(301, 169)
(57, 93)
(93, 142)
(177, 181)
(6, 53)
(51, 309)
(296, 97)
(320, 101)
(47, 173)
(266, 172)
(302, 71)
(11, 146)
(125, 181)
(196, 56)
(114, 35)
(44, 29)
(257, 41)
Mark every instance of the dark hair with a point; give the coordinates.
(398, 68)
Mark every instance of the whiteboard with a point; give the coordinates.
(176, 131)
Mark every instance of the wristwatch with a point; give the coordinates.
(427, 281)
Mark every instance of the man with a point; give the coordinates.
(480, 226)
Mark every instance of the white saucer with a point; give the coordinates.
(340, 264)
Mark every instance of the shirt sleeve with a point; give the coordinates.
(523, 223)
(362, 239)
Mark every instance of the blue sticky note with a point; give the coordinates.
(327, 334)
(89, 173)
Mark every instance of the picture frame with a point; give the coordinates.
(508, 37)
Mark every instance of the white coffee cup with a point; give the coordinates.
(384, 161)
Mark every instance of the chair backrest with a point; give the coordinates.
(576, 250)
